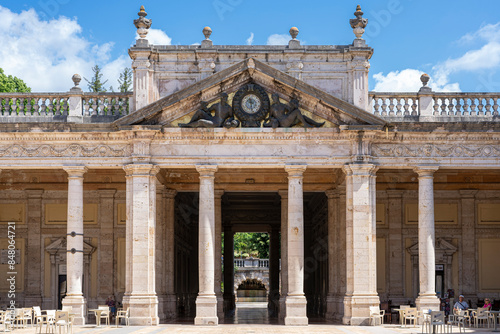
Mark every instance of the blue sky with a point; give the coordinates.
(457, 43)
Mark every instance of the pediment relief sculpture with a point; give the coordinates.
(250, 108)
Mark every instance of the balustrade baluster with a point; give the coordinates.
(487, 107)
(495, 107)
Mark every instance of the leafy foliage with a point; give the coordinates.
(95, 84)
(125, 80)
(11, 84)
(252, 244)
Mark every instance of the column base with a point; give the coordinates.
(282, 310)
(206, 311)
(78, 308)
(357, 309)
(426, 302)
(170, 306)
(296, 311)
(331, 307)
(220, 306)
(143, 309)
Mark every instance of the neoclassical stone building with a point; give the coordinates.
(370, 196)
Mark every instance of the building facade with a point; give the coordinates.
(367, 196)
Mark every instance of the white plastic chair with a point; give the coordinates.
(6, 321)
(376, 313)
(105, 313)
(122, 315)
(481, 315)
(435, 318)
(411, 314)
(63, 320)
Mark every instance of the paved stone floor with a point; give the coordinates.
(246, 329)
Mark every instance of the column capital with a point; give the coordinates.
(425, 170)
(332, 193)
(75, 171)
(207, 170)
(283, 193)
(106, 193)
(34, 193)
(468, 193)
(394, 193)
(360, 169)
(295, 170)
(141, 170)
(218, 193)
(169, 193)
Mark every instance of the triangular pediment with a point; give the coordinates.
(442, 246)
(314, 105)
(58, 246)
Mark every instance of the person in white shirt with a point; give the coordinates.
(461, 304)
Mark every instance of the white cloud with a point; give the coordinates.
(157, 37)
(408, 80)
(46, 54)
(278, 39)
(250, 39)
(482, 60)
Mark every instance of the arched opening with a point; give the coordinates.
(251, 290)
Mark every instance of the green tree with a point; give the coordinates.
(252, 244)
(11, 84)
(125, 80)
(96, 84)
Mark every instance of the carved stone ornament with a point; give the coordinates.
(142, 23)
(359, 23)
(251, 105)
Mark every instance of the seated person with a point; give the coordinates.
(487, 304)
(461, 304)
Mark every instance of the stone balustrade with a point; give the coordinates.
(431, 106)
(63, 107)
(251, 263)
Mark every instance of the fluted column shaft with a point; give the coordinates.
(295, 301)
(427, 298)
(74, 256)
(206, 302)
(218, 252)
(333, 270)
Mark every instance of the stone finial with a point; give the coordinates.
(359, 23)
(425, 79)
(207, 42)
(207, 31)
(294, 32)
(76, 79)
(142, 23)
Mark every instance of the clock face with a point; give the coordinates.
(251, 103)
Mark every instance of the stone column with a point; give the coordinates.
(34, 273)
(106, 240)
(467, 281)
(74, 256)
(296, 310)
(427, 298)
(361, 252)
(229, 301)
(206, 302)
(218, 253)
(140, 294)
(333, 268)
(274, 270)
(396, 246)
(284, 256)
(170, 308)
(341, 250)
